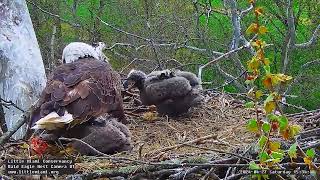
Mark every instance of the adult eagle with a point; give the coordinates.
(82, 89)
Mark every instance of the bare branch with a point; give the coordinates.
(220, 151)
(52, 45)
(235, 24)
(302, 68)
(227, 82)
(231, 78)
(221, 57)
(156, 55)
(210, 174)
(6, 104)
(84, 143)
(246, 11)
(312, 40)
(123, 31)
(54, 15)
(291, 24)
(6, 136)
(182, 144)
(285, 53)
(174, 45)
(121, 44)
(294, 106)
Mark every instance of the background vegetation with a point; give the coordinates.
(145, 34)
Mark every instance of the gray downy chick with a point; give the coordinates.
(172, 91)
(106, 135)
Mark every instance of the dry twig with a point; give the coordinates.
(182, 144)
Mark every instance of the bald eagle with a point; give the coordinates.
(78, 50)
(80, 90)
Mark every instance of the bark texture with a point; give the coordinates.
(22, 74)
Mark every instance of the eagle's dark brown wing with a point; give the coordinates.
(85, 88)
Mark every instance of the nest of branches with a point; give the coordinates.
(210, 142)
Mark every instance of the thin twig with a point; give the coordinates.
(223, 56)
(7, 103)
(54, 15)
(227, 82)
(302, 113)
(294, 106)
(6, 136)
(220, 151)
(84, 143)
(246, 11)
(123, 31)
(182, 144)
(211, 174)
(312, 40)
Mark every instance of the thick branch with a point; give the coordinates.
(235, 24)
(291, 24)
(147, 168)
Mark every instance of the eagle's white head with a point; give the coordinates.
(78, 50)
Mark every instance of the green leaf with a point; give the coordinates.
(266, 127)
(292, 152)
(277, 155)
(253, 166)
(249, 104)
(272, 117)
(283, 122)
(262, 141)
(310, 153)
(267, 68)
(263, 156)
(252, 125)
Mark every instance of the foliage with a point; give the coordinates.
(184, 22)
(274, 125)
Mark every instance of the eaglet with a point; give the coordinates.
(173, 92)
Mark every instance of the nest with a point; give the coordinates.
(164, 147)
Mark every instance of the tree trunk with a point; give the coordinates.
(22, 74)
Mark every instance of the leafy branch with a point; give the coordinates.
(274, 123)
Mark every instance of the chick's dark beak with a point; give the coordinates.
(125, 84)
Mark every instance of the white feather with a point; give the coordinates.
(53, 120)
(99, 49)
(76, 50)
